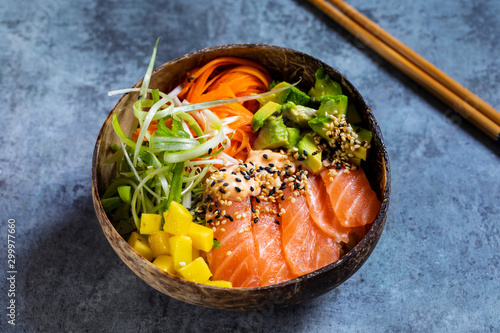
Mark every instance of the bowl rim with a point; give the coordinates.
(377, 224)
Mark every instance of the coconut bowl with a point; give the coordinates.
(283, 64)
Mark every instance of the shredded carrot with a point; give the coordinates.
(229, 77)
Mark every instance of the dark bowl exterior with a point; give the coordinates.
(283, 64)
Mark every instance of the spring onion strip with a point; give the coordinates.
(229, 120)
(195, 152)
(198, 179)
(149, 71)
(142, 184)
(168, 143)
(189, 120)
(213, 161)
(121, 135)
(141, 115)
(175, 91)
(228, 159)
(115, 184)
(147, 121)
(219, 102)
(137, 175)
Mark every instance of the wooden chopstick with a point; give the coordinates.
(468, 105)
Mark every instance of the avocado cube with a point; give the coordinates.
(330, 104)
(272, 135)
(298, 97)
(352, 114)
(362, 152)
(277, 97)
(293, 137)
(324, 85)
(263, 114)
(307, 148)
(320, 126)
(299, 114)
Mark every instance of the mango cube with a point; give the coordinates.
(159, 243)
(219, 283)
(165, 263)
(202, 237)
(195, 253)
(177, 219)
(196, 271)
(150, 223)
(181, 250)
(141, 245)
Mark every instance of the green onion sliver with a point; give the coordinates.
(201, 149)
(149, 71)
(139, 188)
(147, 121)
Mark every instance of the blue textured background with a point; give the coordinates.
(437, 265)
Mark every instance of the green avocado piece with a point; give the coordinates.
(298, 97)
(272, 135)
(320, 125)
(293, 137)
(278, 97)
(324, 85)
(263, 114)
(307, 148)
(330, 104)
(352, 114)
(299, 114)
(361, 153)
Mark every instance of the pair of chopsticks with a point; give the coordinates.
(468, 105)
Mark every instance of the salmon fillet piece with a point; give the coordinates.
(353, 200)
(236, 258)
(305, 246)
(267, 236)
(321, 210)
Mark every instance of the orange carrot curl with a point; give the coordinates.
(229, 77)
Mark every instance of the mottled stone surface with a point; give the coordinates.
(437, 265)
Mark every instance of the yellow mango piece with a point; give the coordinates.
(181, 249)
(202, 237)
(195, 253)
(220, 283)
(150, 223)
(196, 271)
(177, 219)
(141, 245)
(159, 243)
(165, 263)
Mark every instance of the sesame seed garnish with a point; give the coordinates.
(237, 189)
(228, 253)
(255, 220)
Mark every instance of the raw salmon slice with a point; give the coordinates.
(305, 246)
(321, 210)
(236, 259)
(267, 236)
(353, 200)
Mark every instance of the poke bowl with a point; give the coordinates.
(283, 65)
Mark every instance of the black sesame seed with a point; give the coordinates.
(210, 151)
(237, 189)
(257, 199)
(305, 153)
(255, 220)
(277, 222)
(223, 169)
(210, 221)
(213, 183)
(283, 197)
(233, 173)
(253, 210)
(265, 156)
(210, 208)
(227, 216)
(221, 190)
(252, 189)
(271, 165)
(238, 180)
(225, 184)
(247, 177)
